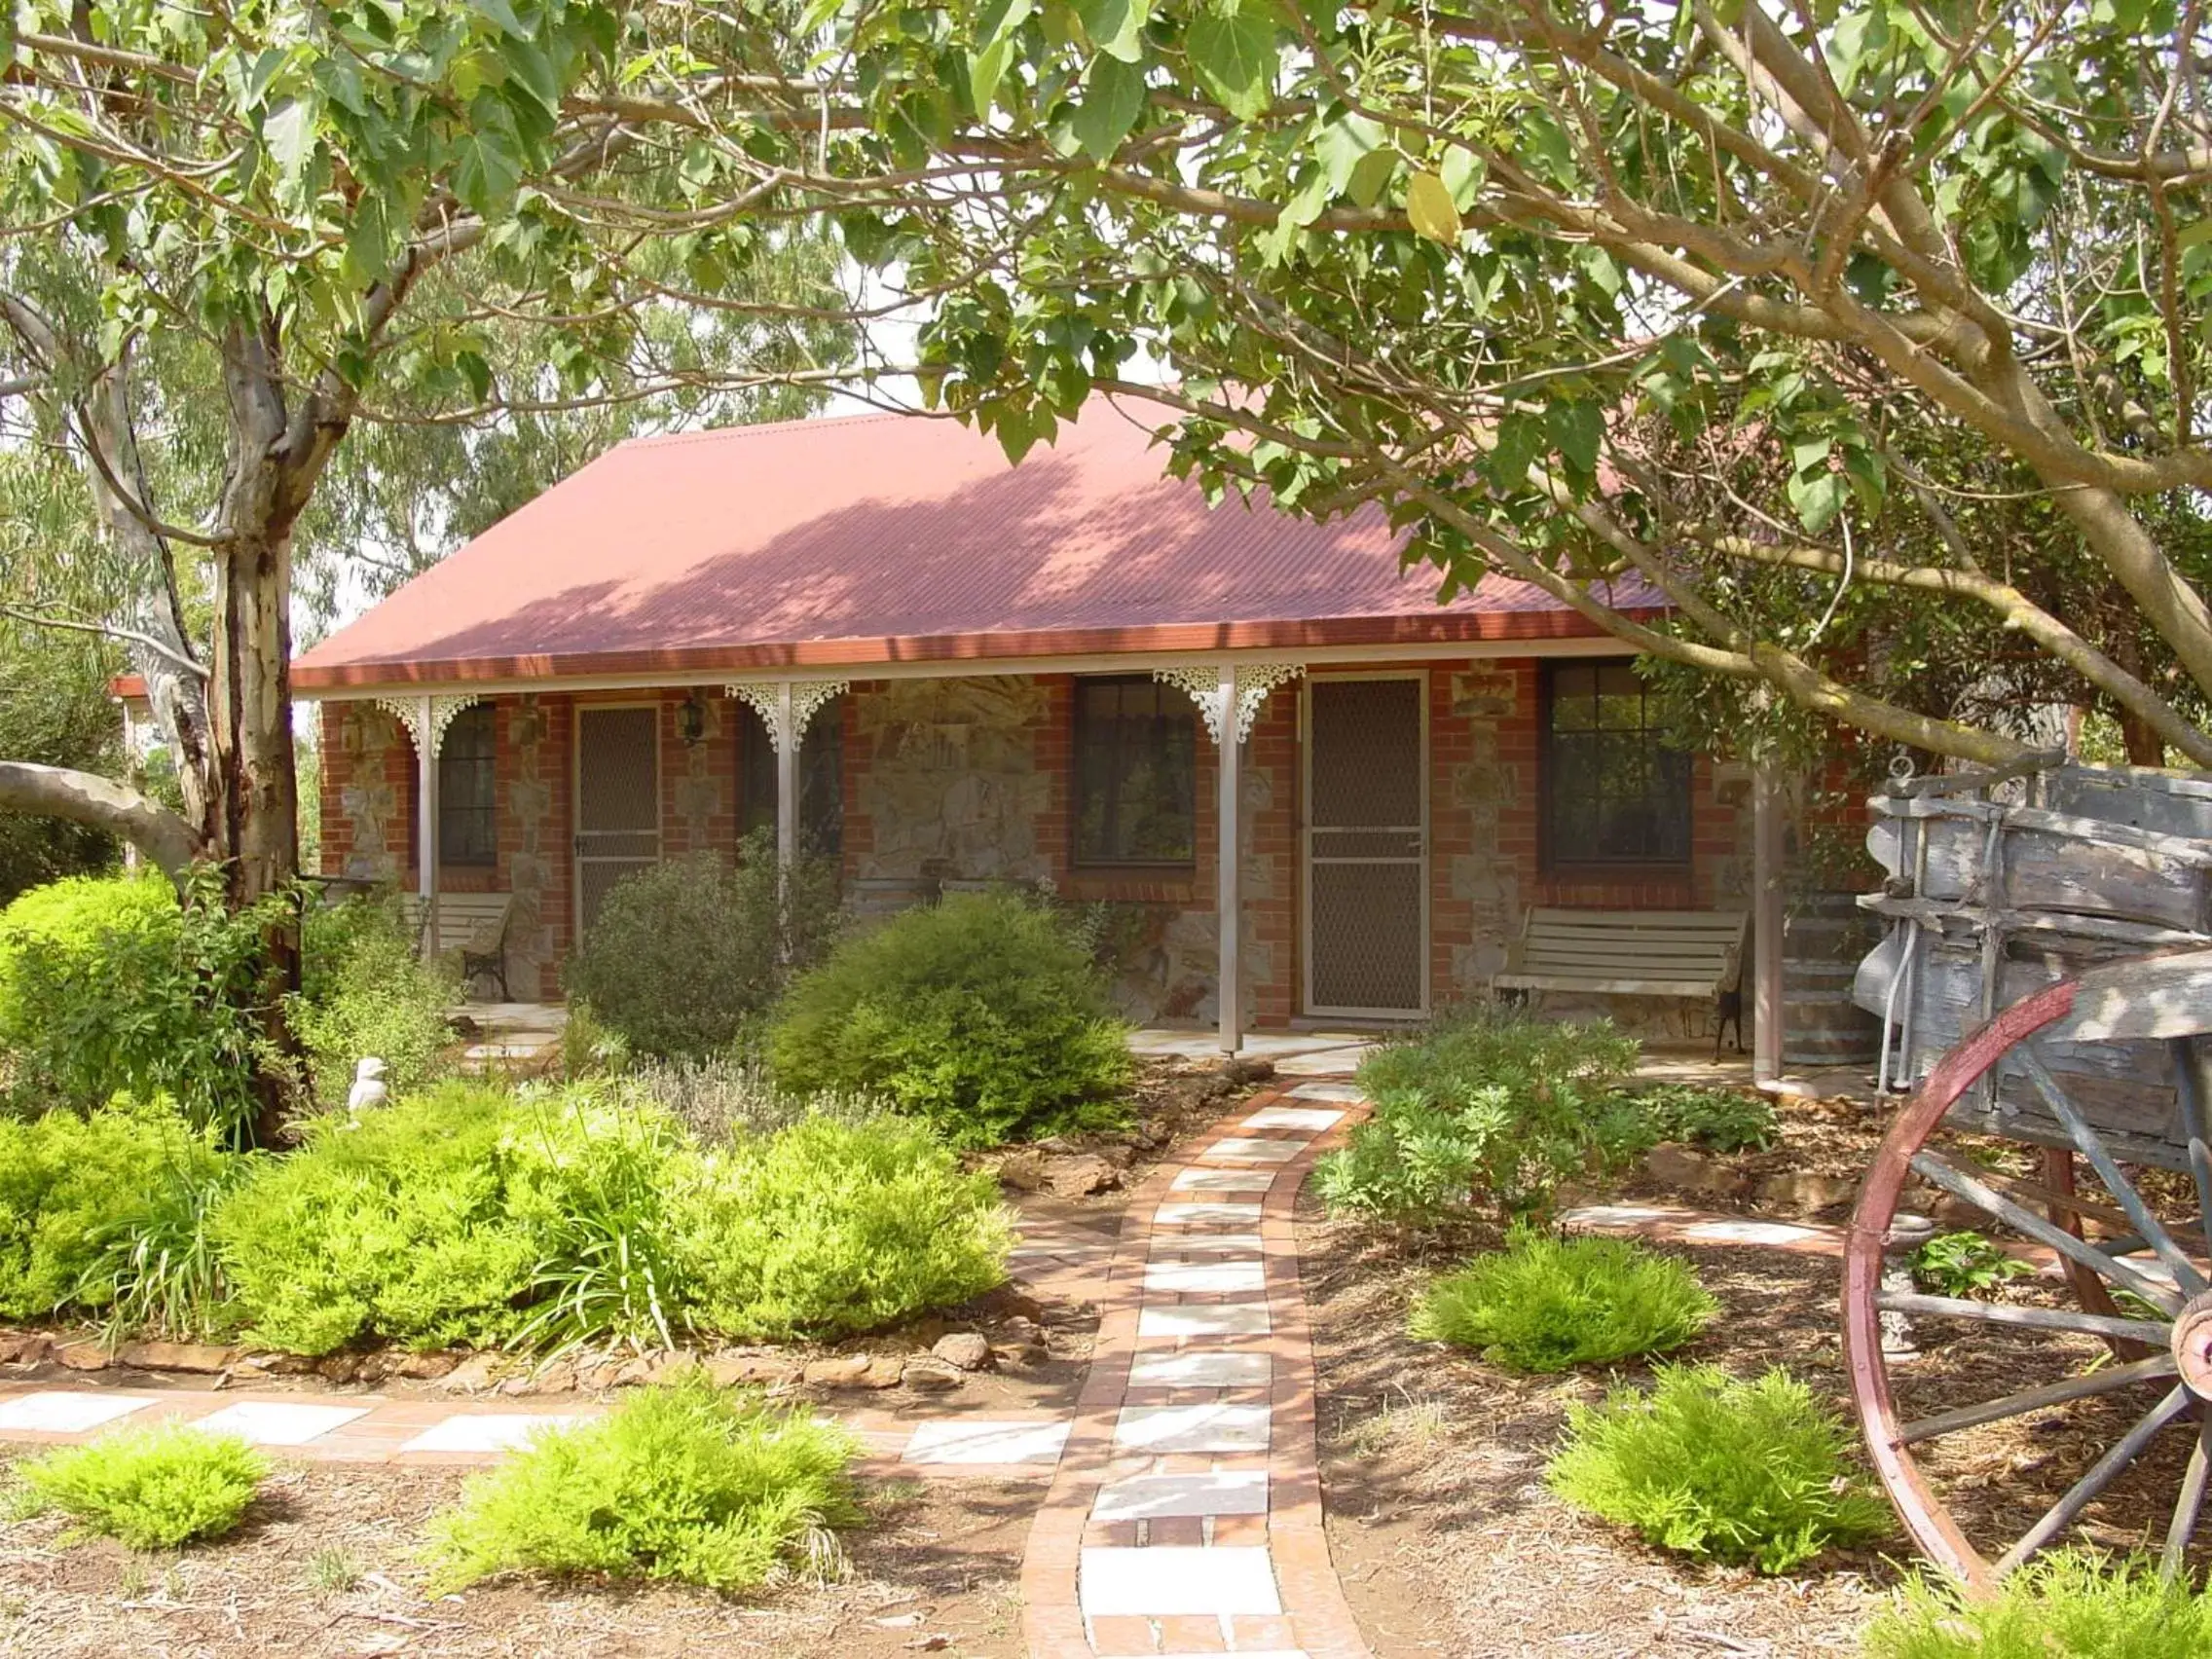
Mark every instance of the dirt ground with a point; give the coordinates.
(1449, 1542)
(327, 1564)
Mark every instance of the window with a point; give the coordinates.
(1136, 773)
(821, 778)
(1612, 793)
(468, 822)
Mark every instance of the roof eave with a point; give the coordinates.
(856, 655)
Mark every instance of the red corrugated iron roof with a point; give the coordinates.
(883, 538)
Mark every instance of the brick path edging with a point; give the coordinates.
(1317, 1621)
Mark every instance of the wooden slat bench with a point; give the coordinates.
(1696, 954)
(475, 924)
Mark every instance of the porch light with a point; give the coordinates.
(691, 719)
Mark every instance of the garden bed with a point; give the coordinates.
(937, 1560)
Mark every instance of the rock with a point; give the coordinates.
(178, 1356)
(1012, 1300)
(1804, 1193)
(1081, 1175)
(1153, 1133)
(339, 1367)
(601, 1376)
(634, 1373)
(286, 1364)
(472, 1376)
(84, 1356)
(1242, 1072)
(883, 1372)
(931, 1375)
(838, 1371)
(375, 1367)
(559, 1378)
(1023, 1169)
(968, 1349)
(425, 1367)
(1673, 1164)
(761, 1370)
(24, 1348)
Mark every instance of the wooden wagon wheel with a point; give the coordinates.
(2168, 1311)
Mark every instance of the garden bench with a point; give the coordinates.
(475, 924)
(1697, 954)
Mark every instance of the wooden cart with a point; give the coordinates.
(2045, 977)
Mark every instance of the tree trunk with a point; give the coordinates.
(2145, 747)
(81, 798)
(252, 790)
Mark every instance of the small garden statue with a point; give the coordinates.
(368, 1087)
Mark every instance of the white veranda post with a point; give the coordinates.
(1229, 696)
(1766, 1001)
(427, 719)
(785, 707)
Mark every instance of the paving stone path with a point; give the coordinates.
(1185, 1516)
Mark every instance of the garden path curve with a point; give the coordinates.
(1185, 1514)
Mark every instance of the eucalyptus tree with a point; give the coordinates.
(233, 240)
(1764, 333)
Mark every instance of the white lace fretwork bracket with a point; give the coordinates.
(409, 711)
(1255, 682)
(767, 697)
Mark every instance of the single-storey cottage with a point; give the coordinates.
(877, 637)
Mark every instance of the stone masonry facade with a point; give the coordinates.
(960, 783)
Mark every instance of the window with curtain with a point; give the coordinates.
(821, 778)
(468, 822)
(1135, 772)
(1612, 793)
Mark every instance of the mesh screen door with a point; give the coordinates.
(1366, 848)
(617, 801)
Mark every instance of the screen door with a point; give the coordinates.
(617, 801)
(1366, 847)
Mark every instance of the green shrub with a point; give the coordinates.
(980, 1013)
(394, 1227)
(470, 1214)
(1720, 1120)
(1486, 1104)
(1964, 1264)
(363, 990)
(153, 1489)
(89, 1205)
(831, 1227)
(108, 985)
(687, 955)
(2069, 1604)
(684, 1482)
(1546, 1304)
(1752, 1472)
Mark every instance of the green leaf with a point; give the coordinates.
(1463, 173)
(999, 19)
(985, 69)
(1576, 428)
(1372, 178)
(1115, 27)
(1818, 499)
(2190, 235)
(1428, 204)
(289, 133)
(1344, 144)
(1113, 97)
(503, 14)
(487, 159)
(1234, 55)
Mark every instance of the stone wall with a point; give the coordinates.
(367, 764)
(945, 777)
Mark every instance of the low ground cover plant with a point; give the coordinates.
(982, 1015)
(90, 1208)
(686, 958)
(1720, 1119)
(2069, 1604)
(1547, 1303)
(1719, 1468)
(830, 1227)
(1965, 1264)
(479, 1215)
(151, 1488)
(1486, 1107)
(683, 1482)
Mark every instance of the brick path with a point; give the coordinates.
(1184, 1517)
